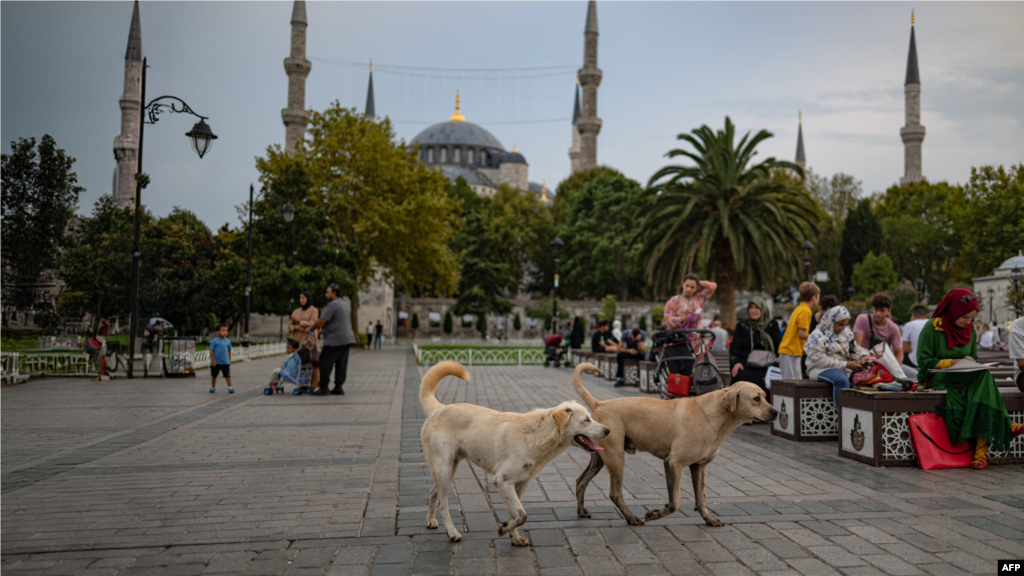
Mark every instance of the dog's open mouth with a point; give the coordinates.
(586, 443)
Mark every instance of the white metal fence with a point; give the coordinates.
(18, 366)
(492, 357)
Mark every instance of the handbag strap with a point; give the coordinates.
(919, 429)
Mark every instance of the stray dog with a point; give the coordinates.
(682, 432)
(513, 447)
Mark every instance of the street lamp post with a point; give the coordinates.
(806, 248)
(919, 284)
(991, 297)
(556, 253)
(201, 138)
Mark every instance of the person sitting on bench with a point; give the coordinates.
(832, 354)
(633, 344)
(603, 341)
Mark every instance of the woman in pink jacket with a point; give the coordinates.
(684, 310)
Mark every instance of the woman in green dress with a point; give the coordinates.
(973, 407)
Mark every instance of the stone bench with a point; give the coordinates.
(806, 411)
(647, 383)
(874, 429)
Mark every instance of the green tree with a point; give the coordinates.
(658, 314)
(862, 234)
(572, 185)
(643, 322)
(599, 252)
(483, 281)
(481, 324)
(517, 323)
(370, 194)
(521, 229)
(988, 218)
(449, 325)
(725, 217)
(608, 308)
(40, 194)
(874, 274)
(542, 309)
(918, 233)
(837, 195)
(904, 298)
(415, 322)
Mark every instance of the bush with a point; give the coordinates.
(658, 313)
(608, 308)
(904, 297)
(415, 320)
(448, 327)
(517, 324)
(643, 322)
(874, 274)
(481, 324)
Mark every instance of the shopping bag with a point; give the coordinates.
(882, 353)
(678, 385)
(874, 374)
(930, 438)
(774, 373)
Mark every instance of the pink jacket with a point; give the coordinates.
(679, 307)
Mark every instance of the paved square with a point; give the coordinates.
(160, 477)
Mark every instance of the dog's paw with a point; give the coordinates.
(653, 515)
(454, 536)
(583, 513)
(635, 520)
(431, 522)
(714, 521)
(520, 541)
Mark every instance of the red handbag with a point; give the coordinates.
(678, 385)
(934, 450)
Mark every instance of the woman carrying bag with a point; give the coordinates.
(755, 345)
(973, 408)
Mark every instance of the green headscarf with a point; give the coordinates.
(762, 323)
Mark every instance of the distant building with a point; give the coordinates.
(1001, 284)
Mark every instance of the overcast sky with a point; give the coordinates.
(668, 67)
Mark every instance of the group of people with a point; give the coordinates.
(374, 334)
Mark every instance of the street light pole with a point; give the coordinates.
(556, 251)
(806, 248)
(202, 138)
(991, 296)
(248, 273)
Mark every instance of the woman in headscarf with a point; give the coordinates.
(757, 332)
(832, 353)
(577, 338)
(973, 408)
(303, 317)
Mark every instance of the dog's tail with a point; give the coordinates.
(432, 378)
(577, 384)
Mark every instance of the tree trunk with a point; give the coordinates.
(727, 277)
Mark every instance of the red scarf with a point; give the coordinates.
(952, 308)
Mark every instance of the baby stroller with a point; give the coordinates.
(554, 351)
(682, 371)
(300, 381)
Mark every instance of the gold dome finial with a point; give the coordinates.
(371, 64)
(544, 191)
(514, 147)
(457, 117)
(800, 115)
(911, 17)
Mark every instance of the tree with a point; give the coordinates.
(874, 274)
(988, 217)
(481, 287)
(608, 308)
(599, 252)
(481, 325)
(572, 185)
(415, 323)
(904, 298)
(521, 229)
(517, 323)
(449, 325)
(40, 194)
(837, 195)
(861, 235)
(725, 217)
(918, 233)
(370, 194)
(658, 314)
(542, 309)
(643, 322)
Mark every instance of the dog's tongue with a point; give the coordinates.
(586, 442)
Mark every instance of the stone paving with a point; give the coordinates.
(160, 477)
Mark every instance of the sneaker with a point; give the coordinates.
(338, 391)
(212, 390)
(231, 390)
(323, 391)
(620, 382)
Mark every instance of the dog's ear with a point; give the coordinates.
(732, 399)
(562, 417)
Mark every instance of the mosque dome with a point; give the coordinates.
(512, 156)
(1013, 262)
(457, 132)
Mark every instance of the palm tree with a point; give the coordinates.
(732, 221)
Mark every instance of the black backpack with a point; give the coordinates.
(705, 376)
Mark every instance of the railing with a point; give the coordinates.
(18, 366)
(491, 357)
(473, 342)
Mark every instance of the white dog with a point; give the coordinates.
(512, 447)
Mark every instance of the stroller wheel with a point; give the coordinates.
(546, 363)
(267, 391)
(297, 392)
(558, 365)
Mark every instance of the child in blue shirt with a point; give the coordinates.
(290, 368)
(220, 358)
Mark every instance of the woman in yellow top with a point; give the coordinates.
(973, 407)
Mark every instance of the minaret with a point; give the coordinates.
(126, 144)
(297, 67)
(574, 151)
(370, 111)
(588, 123)
(913, 133)
(801, 159)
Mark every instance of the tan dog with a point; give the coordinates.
(682, 432)
(512, 447)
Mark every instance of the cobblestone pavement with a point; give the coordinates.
(160, 477)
